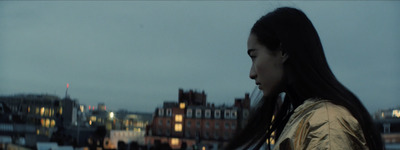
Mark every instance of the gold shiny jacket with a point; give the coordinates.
(320, 125)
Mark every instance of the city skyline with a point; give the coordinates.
(134, 55)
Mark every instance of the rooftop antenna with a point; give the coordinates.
(66, 91)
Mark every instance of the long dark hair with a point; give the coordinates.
(307, 75)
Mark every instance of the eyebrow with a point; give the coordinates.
(250, 50)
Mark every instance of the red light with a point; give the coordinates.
(67, 85)
(89, 107)
(105, 107)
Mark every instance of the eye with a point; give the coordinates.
(252, 57)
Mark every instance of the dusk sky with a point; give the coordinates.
(135, 55)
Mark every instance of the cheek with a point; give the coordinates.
(269, 73)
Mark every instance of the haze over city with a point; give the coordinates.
(135, 55)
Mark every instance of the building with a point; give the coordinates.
(192, 122)
(34, 117)
(128, 127)
(388, 122)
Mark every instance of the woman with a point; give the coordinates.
(318, 112)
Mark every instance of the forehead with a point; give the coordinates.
(252, 41)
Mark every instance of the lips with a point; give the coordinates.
(258, 84)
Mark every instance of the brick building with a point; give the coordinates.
(193, 122)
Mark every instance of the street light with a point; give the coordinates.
(111, 115)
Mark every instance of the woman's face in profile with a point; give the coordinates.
(267, 65)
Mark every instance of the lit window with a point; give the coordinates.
(189, 113)
(90, 122)
(217, 113)
(182, 105)
(93, 118)
(60, 110)
(37, 110)
(52, 112)
(42, 122)
(41, 111)
(198, 113)
(29, 109)
(46, 112)
(37, 131)
(396, 113)
(178, 127)
(53, 123)
(178, 118)
(47, 123)
(207, 113)
(174, 141)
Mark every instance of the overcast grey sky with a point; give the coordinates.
(135, 55)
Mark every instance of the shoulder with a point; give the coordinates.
(321, 124)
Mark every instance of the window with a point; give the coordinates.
(206, 135)
(53, 123)
(178, 127)
(160, 122)
(216, 125)
(161, 112)
(189, 113)
(226, 125)
(42, 111)
(178, 118)
(198, 113)
(245, 113)
(197, 124)
(168, 122)
(207, 113)
(174, 141)
(182, 105)
(169, 112)
(233, 125)
(207, 124)
(188, 123)
(217, 113)
(216, 135)
(226, 135)
(159, 132)
(233, 114)
(187, 134)
(227, 114)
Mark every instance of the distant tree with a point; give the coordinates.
(121, 145)
(183, 146)
(133, 146)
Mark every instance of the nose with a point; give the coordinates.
(253, 73)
